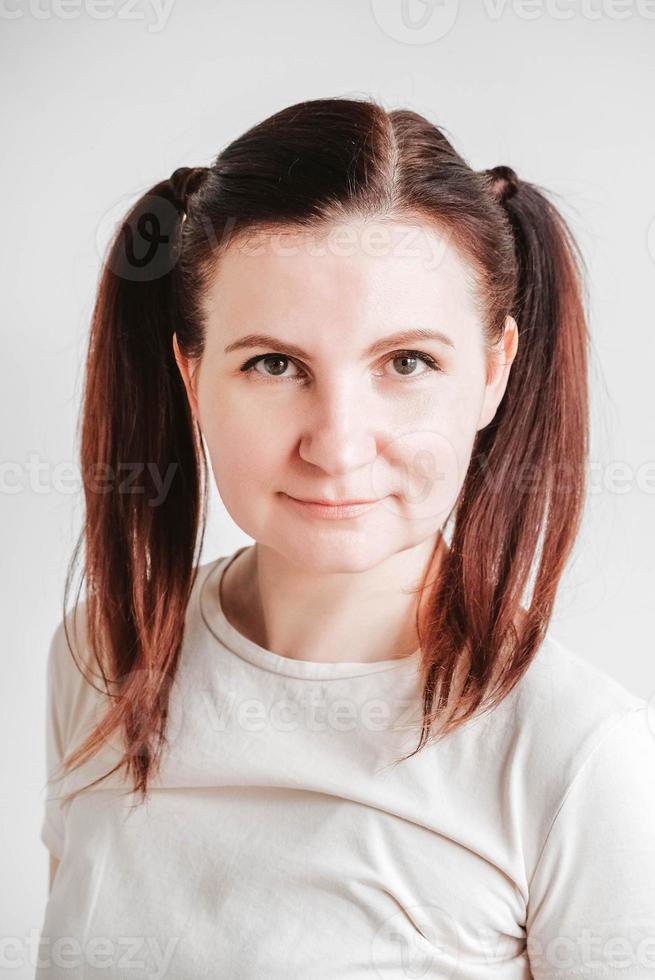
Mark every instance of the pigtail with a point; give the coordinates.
(523, 497)
(140, 452)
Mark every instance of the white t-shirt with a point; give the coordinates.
(280, 841)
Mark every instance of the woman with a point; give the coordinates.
(353, 748)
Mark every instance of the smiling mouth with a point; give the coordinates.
(333, 511)
(335, 503)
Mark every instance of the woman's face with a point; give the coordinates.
(333, 406)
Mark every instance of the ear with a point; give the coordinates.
(184, 366)
(500, 362)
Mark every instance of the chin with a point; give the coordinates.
(325, 551)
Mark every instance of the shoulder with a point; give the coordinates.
(562, 702)
(69, 647)
(69, 644)
(564, 714)
(600, 733)
(567, 705)
(569, 693)
(75, 688)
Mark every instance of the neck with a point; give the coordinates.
(358, 616)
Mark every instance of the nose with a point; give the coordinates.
(338, 433)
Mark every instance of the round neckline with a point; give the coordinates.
(219, 625)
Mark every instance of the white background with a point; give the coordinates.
(101, 101)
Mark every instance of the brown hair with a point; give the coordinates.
(305, 166)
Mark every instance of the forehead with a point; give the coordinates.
(350, 274)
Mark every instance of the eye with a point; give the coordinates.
(407, 359)
(279, 361)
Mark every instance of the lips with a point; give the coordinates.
(335, 503)
(332, 511)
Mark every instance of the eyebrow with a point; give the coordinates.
(401, 338)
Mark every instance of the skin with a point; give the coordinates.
(341, 424)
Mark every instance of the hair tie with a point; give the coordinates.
(505, 183)
(183, 182)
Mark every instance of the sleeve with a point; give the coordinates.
(591, 906)
(52, 826)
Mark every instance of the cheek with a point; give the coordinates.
(430, 457)
(424, 473)
(243, 450)
(456, 412)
